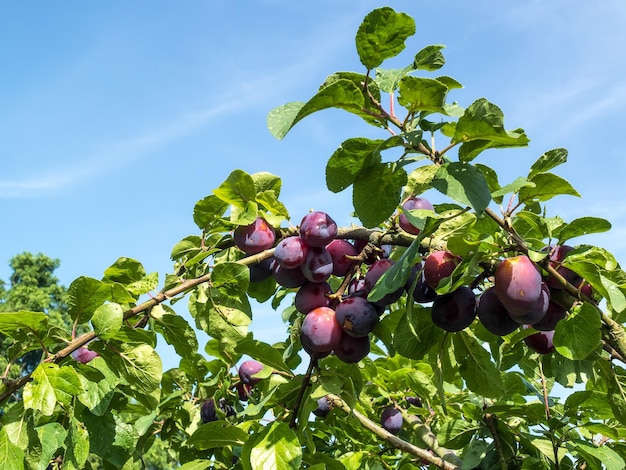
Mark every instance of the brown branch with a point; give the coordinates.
(424, 433)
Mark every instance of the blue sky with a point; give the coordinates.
(117, 117)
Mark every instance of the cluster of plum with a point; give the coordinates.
(520, 296)
(333, 322)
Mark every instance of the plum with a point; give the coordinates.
(454, 311)
(439, 265)
(312, 295)
(84, 355)
(415, 401)
(557, 255)
(373, 274)
(318, 265)
(247, 369)
(351, 349)
(412, 204)
(357, 316)
(541, 341)
(243, 391)
(554, 314)
(537, 312)
(339, 251)
(288, 278)
(318, 229)
(320, 330)
(208, 412)
(291, 252)
(323, 407)
(391, 420)
(261, 270)
(254, 238)
(518, 284)
(492, 314)
(422, 293)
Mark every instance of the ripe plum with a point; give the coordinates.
(357, 316)
(247, 369)
(318, 265)
(255, 237)
(339, 250)
(454, 311)
(492, 314)
(413, 204)
(318, 229)
(320, 330)
(391, 420)
(439, 265)
(291, 252)
(518, 284)
(312, 295)
(351, 350)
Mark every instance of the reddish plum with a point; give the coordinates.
(255, 237)
(318, 229)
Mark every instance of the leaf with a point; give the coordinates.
(84, 295)
(397, 275)
(388, 184)
(476, 367)
(107, 320)
(232, 279)
(346, 162)
(456, 433)
(429, 58)
(547, 185)
(422, 94)
(381, 35)
(513, 187)
(238, 189)
(76, 446)
(51, 436)
(110, 438)
(98, 385)
(343, 94)
(420, 179)
(583, 226)
(549, 160)
(277, 447)
(176, 331)
(11, 456)
(50, 385)
(463, 183)
(217, 434)
(208, 210)
(579, 334)
(197, 464)
(264, 353)
(607, 458)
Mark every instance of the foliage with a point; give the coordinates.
(468, 399)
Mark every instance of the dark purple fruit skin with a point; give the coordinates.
(558, 253)
(318, 265)
(541, 342)
(415, 401)
(254, 238)
(247, 369)
(357, 316)
(291, 252)
(288, 278)
(422, 293)
(320, 330)
(554, 314)
(312, 295)
(411, 204)
(323, 408)
(518, 284)
(439, 265)
(391, 420)
(318, 229)
(538, 311)
(306, 345)
(454, 311)
(492, 314)
(208, 413)
(338, 250)
(262, 270)
(351, 350)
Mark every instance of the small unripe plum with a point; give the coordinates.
(518, 284)
(357, 316)
(391, 420)
(320, 330)
(318, 229)
(557, 255)
(413, 204)
(312, 295)
(454, 311)
(318, 265)
(247, 369)
(291, 252)
(492, 314)
(438, 265)
(339, 251)
(323, 407)
(208, 412)
(541, 342)
(351, 349)
(554, 314)
(288, 278)
(254, 238)
(373, 274)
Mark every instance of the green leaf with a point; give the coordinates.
(513, 187)
(579, 334)
(217, 434)
(11, 456)
(343, 94)
(50, 385)
(549, 160)
(606, 457)
(477, 368)
(346, 162)
(76, 446)
(238, 189)
(98, 385)
(84, 295)
(422, 94)
(583, 226)
(208, 210)
(197, 464)
(420, 179)
(396, 277)
(107, 320)
(51, 436)
(277, 447)
(388, 184)
(463, 183)
(232, 279)
(176, 331)
(429, 58)
(457, 433)
(30, 322)
(110, 438)
(547, 185)
(264, 353)
(381, 35)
